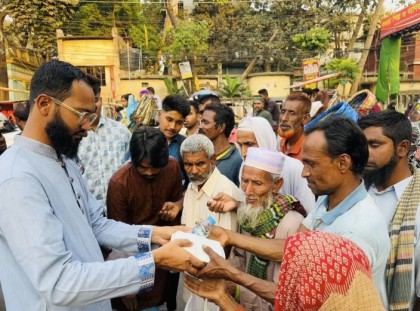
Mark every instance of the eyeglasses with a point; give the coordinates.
(84, 117)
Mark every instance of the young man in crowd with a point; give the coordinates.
(271, 106)
(148, 191)
(175, 109)
(395, 188)
(104, 150)
(217, 123)
(192, 121)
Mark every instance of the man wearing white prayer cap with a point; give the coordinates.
(266, 213)
(257, 132)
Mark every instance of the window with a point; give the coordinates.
(96, 71)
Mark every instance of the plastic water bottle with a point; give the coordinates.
(203, 227)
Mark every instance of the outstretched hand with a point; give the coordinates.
(169, 211)
(219, 234)
(222, 203)
(218, 267)
(172, 256)
(212, 289)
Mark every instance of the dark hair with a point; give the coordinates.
(299, 97)
(214, 99)
(95, 83)
(344, 136)
(263, 91)
(194, 104)
(126, 96)
(55, 78)
(21, 110)
(307, 91)
(223, 115)
(151, 89)
(177, 103)
(394, 125)
(149, 144)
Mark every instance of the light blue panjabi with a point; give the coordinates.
(49, 244)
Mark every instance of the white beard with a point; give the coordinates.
(249, 215)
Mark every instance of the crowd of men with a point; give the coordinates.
(322, 218)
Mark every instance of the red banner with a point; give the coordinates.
(400, 20)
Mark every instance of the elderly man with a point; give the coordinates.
(336, 146)
(267, 214)
(294, 114)
(257, 132)
(205, 181)
(395, 188)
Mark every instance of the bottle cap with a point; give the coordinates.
(211, 220)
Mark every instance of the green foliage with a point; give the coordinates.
(187, 40)
(347, 67)
(233, 88)
(35, 21)
(316, 39)
(172, 88)
(130, 18)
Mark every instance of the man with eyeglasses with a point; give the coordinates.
(51, 226)
(104, 150)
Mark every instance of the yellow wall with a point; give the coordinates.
(274, 82)
(135, 86)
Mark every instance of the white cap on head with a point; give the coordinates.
(264, 159)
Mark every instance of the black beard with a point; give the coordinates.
(61, 139)
(379, 176)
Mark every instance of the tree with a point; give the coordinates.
(347, 67)
(188, 41)
(316, 40)
(35, 21)
(139, 23)
(33, 26)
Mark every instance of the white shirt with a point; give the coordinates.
(195, 201)
(388, 201)
(195, 209)
(358, 219)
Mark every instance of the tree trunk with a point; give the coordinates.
(171, 13)
(254, 61)
(4, 79)
(358, 26)
(368, 44)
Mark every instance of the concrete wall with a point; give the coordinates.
(274, 82)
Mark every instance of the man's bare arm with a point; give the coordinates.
(271, 249)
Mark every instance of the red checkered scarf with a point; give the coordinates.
(317, 265)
